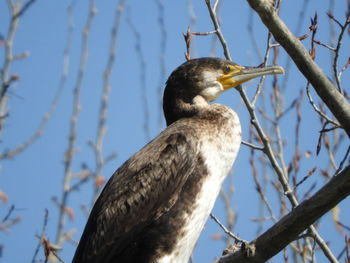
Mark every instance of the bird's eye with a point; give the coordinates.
(226, 69)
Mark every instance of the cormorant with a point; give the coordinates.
(155, 205)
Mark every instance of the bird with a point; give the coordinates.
(154, 207)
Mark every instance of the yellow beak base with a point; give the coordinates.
(239, 74)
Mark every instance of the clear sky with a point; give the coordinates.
(32, 178)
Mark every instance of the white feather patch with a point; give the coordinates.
(213, 88)
(219, 155)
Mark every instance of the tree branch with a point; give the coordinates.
(102, 116)
(217, 28)
(324, 88)
(68, 160)
(293, 224)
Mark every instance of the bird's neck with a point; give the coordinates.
(180, 108)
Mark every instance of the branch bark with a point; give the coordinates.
(293, 224)
(335, 101)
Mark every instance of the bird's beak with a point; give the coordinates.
(240, 74)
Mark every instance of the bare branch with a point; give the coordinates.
(188, 38)
(262, 79)
(304, 178)
(343, 161)
(334, 19)
(55, 100)
(6, 223)
(281, 173)
(319, 112)
(255, 147)
(5, 69)
(344, 68)
(236, 238)
(218, 29)
(23, 9)
(8, 154)
(9, 212)
(163, 44)
(337, 49)
(231, 215)
(324, 45)
(293, 224)
(16, 10)
(73, 122)
(143, 85)
(102, 118)
(42, 235)
(331, 96)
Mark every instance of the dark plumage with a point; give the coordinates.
(154, 207)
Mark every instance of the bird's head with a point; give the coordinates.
(205, 78)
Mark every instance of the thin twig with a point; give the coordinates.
(298, 29)
(236, 238)
(162, 50)
(262, 79)
(334, 19)
(296, 157)
(230, 213)
(9, 212)
(259, 188)
(142, 63)
(42, 235)
(319, 112)
(8, 55)
(250, 28)
(102, 117)
(203, 33)
(344, 68)
(16, 10)
(337, 49)
(277, 109)
(73, 122)
(215, 6)
(82, 180)
(327, 144)
(319, 141)
(218, 30)
(304, 178)
(324, 45)
(255, 147)
(23, 9)
(343, 161)
(188, 39)
(8, 154)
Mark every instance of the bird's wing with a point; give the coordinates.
(141, 190)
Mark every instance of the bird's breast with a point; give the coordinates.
(218, 149)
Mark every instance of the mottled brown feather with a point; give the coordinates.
(139, 192)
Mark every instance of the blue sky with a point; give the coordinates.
(35, 176)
